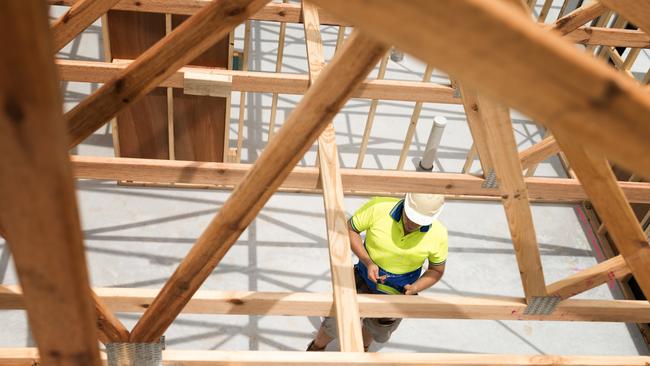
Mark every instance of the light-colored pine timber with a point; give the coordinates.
(538, 152)
(477, 127)
(578, 17)
(598, 180)
(343, 283)
(371, 116)
(636, 11)
(278, 69)
(181, 46)
(594, 104)
(415, 117)
(266, 82)
(603, 272)
(41, 220)
(428, 304)
(80, 15)
(503, 153)
(242, 95)
(354, 180)
(322, 101)
(29, 356)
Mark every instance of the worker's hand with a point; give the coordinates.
(410, 290)
(373, 274)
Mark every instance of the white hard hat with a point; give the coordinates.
(423, 208)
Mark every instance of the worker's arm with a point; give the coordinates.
(360, 251)
(432, 275)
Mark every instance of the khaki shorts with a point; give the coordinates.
(380, 328)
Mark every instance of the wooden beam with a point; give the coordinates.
(42, 219)
(578, 17)
(503, 152)
(636, 11)
(242, 95)
(321, 103)
(609, 37)
(343, 283)
(266, 82)
(477, 127)
(598, 180)
(29, 357)
(371, 115)
(603, 272)
(594, 104)
(80, 15)
(538, 152)
(289, 13)
(426, 305)
(181, 46)
(354, 180)
(278, 69)
(415, 117)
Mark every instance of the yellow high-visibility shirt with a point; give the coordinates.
(388, 247)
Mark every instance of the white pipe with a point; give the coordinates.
(439, 123)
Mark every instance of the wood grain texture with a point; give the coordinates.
(609, 37)
(503, 151)
(427, 305)
(290, 13)
(598, 180)
(142, 128)
(229, 175)
(538, 152)
(200, 121)
(371, 116)
(508, 60)
(578, 17)
(321, 103)
(80, 15)
(41, 220)
(636, 11)
(159, 62)
(28, 356)
(266, 82)
(477, 127)
(603, 272)
(340, 253)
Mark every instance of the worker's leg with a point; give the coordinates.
(381, 328)
(326, 333)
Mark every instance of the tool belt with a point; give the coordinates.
(392, 285)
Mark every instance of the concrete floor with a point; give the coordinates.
(136, 237)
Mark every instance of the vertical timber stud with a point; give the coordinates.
(343, 284)
(477, 128)
(182, 45)
(308, 120)
(503, 149)
(41, 219)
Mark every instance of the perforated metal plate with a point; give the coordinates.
(490, 180)
(542, 305)
(135, 354)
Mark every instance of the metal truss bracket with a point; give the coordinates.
(490, 180)
(135, 354)
(542, 305)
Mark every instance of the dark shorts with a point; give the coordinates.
(380, 328)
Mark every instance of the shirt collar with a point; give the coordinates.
(396, 214)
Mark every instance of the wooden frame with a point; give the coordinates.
(41, 155)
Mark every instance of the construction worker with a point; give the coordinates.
(400, 235)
